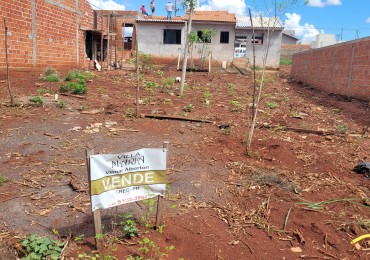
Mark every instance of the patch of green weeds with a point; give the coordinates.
(145, 61)
(150, 205)
(37, 100)
(61, 104)
(151, 250)
(226, 131)
(271, 105)
(2, 180)
(168, 84)
(80, 76)
(207, 97)
(236, 106)
(50, 75)
(130, 112)
(73, 87)
(342, 129)
(189, 108)
(41, 248)
(147, 100)
(150, 85)
(160, 73)
(128, 225)
(42, 91)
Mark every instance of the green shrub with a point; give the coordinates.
(128, 225)
(151, 84)
(236, 106)
(80, 76)
(2, 180)
(41, 248)
(37, 100)
(73, 87)
(272, 105)
(189, 108)
(61, 104)
(50, 75)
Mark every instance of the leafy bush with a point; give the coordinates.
(189, 108)
(41, 248)
(37, 100)
(79, 76)
(271, 105)
(237, 106)
(168, 84)
(73, 87)
(61, 104)
(151, 84)
(2, 180)
(129, 225)
(50, 75)
(145, 61)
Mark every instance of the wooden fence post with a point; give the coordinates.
(159, 197)
(95, 213)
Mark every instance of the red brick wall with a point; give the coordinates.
(56, 28)
(341, 69)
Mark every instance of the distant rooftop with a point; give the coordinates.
(258, 22)
(212, 16)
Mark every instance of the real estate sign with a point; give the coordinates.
(117, 179)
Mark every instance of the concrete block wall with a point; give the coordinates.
(341, 69)
(44, 32)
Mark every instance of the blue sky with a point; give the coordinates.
(347, 19)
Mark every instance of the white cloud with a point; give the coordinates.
(233, 6)
(307, 31)
(368, 20)
(323, 3)
(106, 5)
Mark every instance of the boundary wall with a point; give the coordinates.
(342, 68)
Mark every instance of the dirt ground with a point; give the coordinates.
(295, 197)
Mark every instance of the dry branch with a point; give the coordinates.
(176, 118)
(71, 95)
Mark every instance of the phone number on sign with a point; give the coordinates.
(128, 200)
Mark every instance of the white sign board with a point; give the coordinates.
(240, 52)
(118, 179)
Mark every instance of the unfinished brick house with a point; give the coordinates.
(116, 46)
(46, 32)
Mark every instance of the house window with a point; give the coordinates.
(258, 39)
(171, 36)
(224, 37)
(204, 37)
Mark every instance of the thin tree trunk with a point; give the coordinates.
(184, 65)
(137, 73)
(260, 87)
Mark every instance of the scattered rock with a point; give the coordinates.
(296, 249)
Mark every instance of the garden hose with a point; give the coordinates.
(354, 241)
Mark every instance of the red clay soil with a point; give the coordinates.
(221, 203)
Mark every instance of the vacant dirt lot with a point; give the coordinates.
(295, 197)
